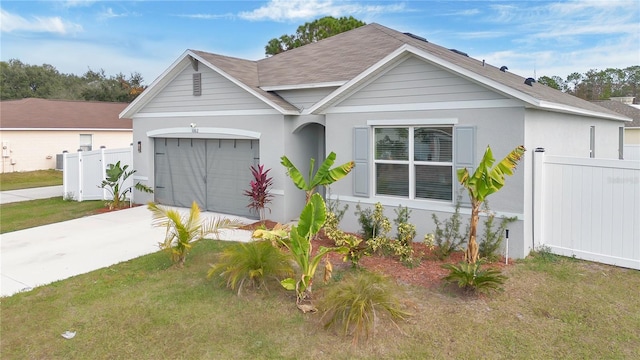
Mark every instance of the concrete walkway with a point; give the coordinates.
(11, 196)
(41, 255)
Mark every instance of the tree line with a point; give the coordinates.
(19, 80)
(598, 84)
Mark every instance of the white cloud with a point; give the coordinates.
(78, 3)
(287, 10)
(110, 14)
(207, 16)
(10, 23)
(468, 12)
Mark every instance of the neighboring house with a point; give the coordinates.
(631, 150)
(33, 131)
(408, 112)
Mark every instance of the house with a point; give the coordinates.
(407, 111)
(625, 107)
(33, 131)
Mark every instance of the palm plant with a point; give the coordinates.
(356, 302)
(472, 279)
(324, 176)
(250, 264)
(182, 229)
(485, 181)
(116, 175)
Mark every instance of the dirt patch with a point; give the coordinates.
(428, 273)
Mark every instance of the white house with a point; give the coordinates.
(407, 111)
(33, 131)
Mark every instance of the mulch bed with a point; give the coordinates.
(428, 273)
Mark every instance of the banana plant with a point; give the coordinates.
(324, 176)
(298, 242)
(485, 181)
(116, 175)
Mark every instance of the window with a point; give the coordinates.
(415, 162)
(85, 142)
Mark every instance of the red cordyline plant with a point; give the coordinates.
(259, 191)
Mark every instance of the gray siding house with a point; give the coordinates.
(407, 111)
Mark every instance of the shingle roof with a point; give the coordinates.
(622, 108)
(35, 113)
(344, 56)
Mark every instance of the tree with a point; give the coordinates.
(311, 32)
(19, 80)
(550, 82)
(482, 183)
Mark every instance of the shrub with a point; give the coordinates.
(355, 303)
(447, 236)
(406, 232)
(375, 226)
(249, 264)
(471, 278)
(355, 248)
(492, 239)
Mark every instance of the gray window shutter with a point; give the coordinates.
(197, 84)
(361, 158)
(464, 157)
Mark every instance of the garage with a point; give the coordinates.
(213, 172)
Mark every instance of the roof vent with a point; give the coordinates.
(416, 37)
(504, 68)
(530, 81)
(459, 52)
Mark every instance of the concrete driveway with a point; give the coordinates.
(46, 192)
(41, 255)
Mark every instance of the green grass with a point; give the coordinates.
(27, 214)
(30, 179)
(147, 309)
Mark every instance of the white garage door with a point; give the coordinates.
(213, 172)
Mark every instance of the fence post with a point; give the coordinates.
(103, 171)
(65, 175)
(538, 198)
(80, 171)
(133, 179)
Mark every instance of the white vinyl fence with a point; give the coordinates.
(588, 208)
(84, 171)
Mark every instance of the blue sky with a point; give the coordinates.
(548, 37)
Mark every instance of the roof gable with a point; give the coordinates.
(241, 72)
(34, 113)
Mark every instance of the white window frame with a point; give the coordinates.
(411, 163)
(85, 144)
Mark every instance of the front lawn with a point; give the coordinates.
(28, 214)
(145, 308)
(30, 179)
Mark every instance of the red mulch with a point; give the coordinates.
(106, 209)
(428, 273)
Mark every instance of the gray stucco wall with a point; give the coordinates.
(501, 128)
(273, 138)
